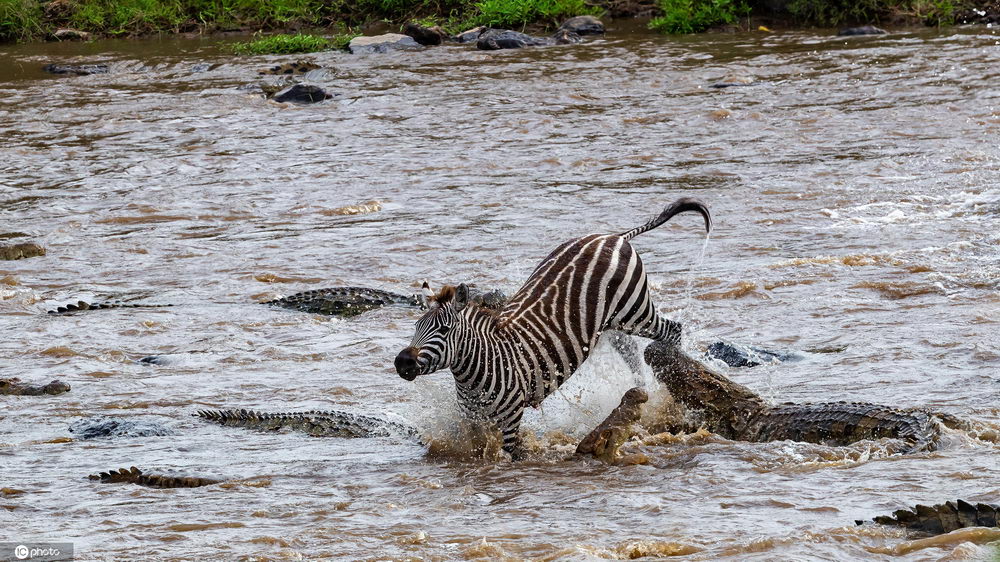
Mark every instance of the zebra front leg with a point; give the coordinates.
(512, 442)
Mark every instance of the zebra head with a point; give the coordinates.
(430, 348)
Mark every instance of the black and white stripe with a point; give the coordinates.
(508, 359)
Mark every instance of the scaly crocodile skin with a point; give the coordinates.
(318, 423)
(736, 412)
(942, 518)
(14, 386)
(341, 301)
(135, 476)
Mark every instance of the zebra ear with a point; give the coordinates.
(461, 296)
(426, 295)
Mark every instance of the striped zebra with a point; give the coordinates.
(506, 359)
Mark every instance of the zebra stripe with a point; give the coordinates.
(506, 360)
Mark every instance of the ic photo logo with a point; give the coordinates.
(36, 552)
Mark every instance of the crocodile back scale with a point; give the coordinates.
(506, 360)
(344, 300)
(83, 305)
(135, 476)
(942, 518)
(843, 423)
(329, 423)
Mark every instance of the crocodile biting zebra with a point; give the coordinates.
(135, 476)
(736, 412)
(14, 386)
(606, 439)
(942, 518)
(506, 360)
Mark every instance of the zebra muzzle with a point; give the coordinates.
(407, 365)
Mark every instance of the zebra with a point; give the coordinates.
(508, 358)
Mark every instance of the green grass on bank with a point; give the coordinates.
(694, 16)
(282, 44)
(34, 19)
(20, 19)
(513, 13)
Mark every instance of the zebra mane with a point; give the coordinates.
(448, 293)
(445, 295)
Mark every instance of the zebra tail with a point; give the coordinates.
(682, 205)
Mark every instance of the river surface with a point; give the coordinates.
(855, 187)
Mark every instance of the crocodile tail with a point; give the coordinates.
(135, 476)
(83, 305)
(942, 518)
(681, 205)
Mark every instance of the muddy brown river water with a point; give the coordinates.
(856, 192)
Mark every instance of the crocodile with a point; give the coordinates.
(135, 476)
(942, 518)
(334, 301)
(735, 412)
(21, 251)
(14, 386)
(607, 438)
(329, 423)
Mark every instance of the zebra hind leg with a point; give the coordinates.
(660, 329)
(626, 347)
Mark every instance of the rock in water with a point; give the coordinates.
(863, 30)
(425, 35)
(383, 44)
(495, 39)
(302, 93)
(583, 25)
(297, 67)
(70, 35)
(566, 37)
(470, 35)
(734, 80)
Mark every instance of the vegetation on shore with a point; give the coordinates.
(838, 12)
(695, 16)
(37, 19)
(283, 44)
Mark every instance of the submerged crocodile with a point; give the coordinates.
(135, 476)
(736, 412)
(330, 423)
(942, 518)
(14, 386)
(334, 301)
(21, 251)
